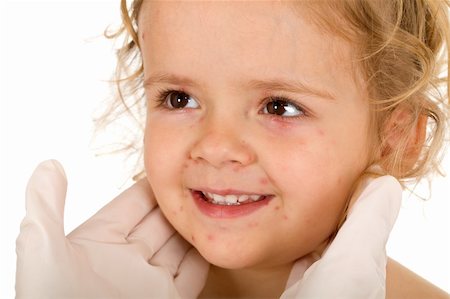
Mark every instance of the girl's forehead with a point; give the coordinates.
(242, 38)
(237, 16)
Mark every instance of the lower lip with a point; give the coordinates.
(228, 211)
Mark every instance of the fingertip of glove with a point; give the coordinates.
(48, 171)
(185, 283)
(142, 189)
(388, 192)
(390, 182)
(197, 261)
(45, 199)
(144, 184)
(51, 165)
(59, 167)
(397, 191)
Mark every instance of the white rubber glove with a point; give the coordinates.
(354, 264)
(126, 250)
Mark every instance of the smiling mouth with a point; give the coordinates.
(229, 199)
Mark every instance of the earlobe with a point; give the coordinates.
(417, 137)
(403, 124)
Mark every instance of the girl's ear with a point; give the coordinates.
(403, 127)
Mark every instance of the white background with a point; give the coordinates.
(54, 65)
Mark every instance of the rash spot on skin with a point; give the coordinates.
(263, 181)
(277, 208)
(285, 217)
(210, 238)
(320, 132)
(236, 168)
(253, 224)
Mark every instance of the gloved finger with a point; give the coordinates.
(299, 268)
(373, 214)
(117, 219)
(42, 230)
(171, 254)
(354, 264)
(192, 274)
(154, 231)
(45, 199)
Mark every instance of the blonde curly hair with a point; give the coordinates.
(402, 50)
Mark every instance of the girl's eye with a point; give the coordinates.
(180, 100)
(282, 107)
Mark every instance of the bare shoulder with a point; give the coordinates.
(403, 283)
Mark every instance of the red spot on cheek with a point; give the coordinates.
(277, 208)
(285, 217)
(210, 237)
(320, 132)
(263, 181)
(253, 224)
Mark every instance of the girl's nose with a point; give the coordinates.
(221, 147)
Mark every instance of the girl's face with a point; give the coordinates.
(249, 103)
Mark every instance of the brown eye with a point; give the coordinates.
(282, 108)
(180, 100)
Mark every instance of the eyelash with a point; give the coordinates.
(303, 111)
(162, 95)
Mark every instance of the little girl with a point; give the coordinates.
(271, 130)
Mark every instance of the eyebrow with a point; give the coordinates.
(267, 85)
(291, 86)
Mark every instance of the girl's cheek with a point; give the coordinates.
(276, 127)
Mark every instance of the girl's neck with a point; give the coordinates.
(246, 283)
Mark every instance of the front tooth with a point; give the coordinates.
(243, 198)
(255, 197)
(218, 198)
(231, 199)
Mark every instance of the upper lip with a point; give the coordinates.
(227, 191)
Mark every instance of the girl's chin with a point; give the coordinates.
(228, 260)
(235, 257)
(238, 258)
(230, 264)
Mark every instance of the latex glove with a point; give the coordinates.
(354, 264)
(126, 250)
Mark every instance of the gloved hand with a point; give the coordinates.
(354, 264)
(126, 250)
